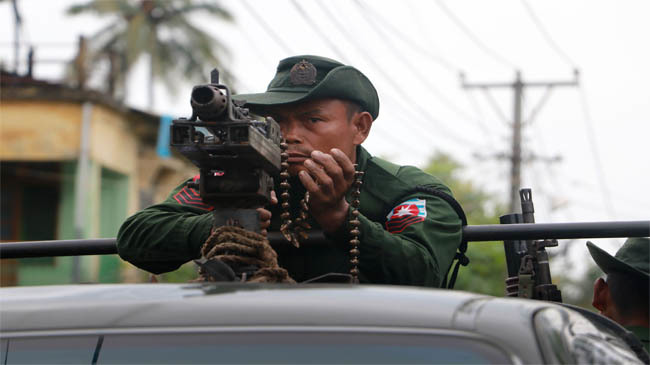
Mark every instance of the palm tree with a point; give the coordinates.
(159, 29)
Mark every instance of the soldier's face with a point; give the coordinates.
(320, 125)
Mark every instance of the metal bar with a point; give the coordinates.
(488, 232)
(99, 246)
(536, 231)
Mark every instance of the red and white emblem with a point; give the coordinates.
(407, 213)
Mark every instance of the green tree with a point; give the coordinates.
(487, 269)
(157, 28)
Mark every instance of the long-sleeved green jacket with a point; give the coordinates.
(407, 237)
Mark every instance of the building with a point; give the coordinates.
(74, 164)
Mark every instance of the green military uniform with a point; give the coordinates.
(407, 236)
(164, 236)
(632, 260)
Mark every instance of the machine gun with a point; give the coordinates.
(237, 155)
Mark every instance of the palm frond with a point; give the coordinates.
(176, 46)
(210, 8)
(103, 7)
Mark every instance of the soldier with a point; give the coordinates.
(408, 234)
(622, 295)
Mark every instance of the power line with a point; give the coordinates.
(259, 55)
(380, 132)
(538, 107)
(495, 106)
(265, 25)
(406, 39)
(591, 137)
(397, 87)
(473, 37)
(413, 69)
(480, 118)
(547, 35)
(322, 35)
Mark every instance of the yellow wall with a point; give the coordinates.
(112, 142)
(39, 131)
(35, 130)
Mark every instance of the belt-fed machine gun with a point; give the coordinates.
(237, 155)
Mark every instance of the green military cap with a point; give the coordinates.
(302, 78)
(632, 258)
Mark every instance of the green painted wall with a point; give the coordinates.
(113, 209)
(30, 271)
(34, 273)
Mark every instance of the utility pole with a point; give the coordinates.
(515, 156)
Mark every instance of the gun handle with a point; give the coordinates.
(248, 219)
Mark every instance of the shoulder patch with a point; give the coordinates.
(188, 196)
(404, 214)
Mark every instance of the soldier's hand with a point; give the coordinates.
(265, 215)
(328, 179)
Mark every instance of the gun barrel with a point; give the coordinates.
(490, 232)
(208, 102)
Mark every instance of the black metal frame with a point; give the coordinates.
(478, 233)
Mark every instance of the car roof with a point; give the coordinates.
(137, 305)
(162, 308)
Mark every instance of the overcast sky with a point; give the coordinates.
(413, 51)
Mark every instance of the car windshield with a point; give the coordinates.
(256, 347)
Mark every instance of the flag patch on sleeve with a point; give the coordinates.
(191, 197)
(404, 214)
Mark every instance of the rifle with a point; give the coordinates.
(529, 273)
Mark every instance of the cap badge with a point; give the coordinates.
(303, 73)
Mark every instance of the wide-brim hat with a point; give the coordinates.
(302, 78)
(633, 258)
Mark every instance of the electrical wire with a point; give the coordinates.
(250, 40)
(406, 39)
(540, 27)
(265, 25)
(342, 57)
(397, 87)
(318, 31)
(379, 132)
(495, 106)
(413, 69)
(480, 118)
(489, 51)
(537, 108)
(591, 137)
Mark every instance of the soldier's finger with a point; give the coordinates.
(274, 198)
(323, 180)
(308, 182)
(344, 162)
(332, 168)
(265, 215)
(328, 162)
